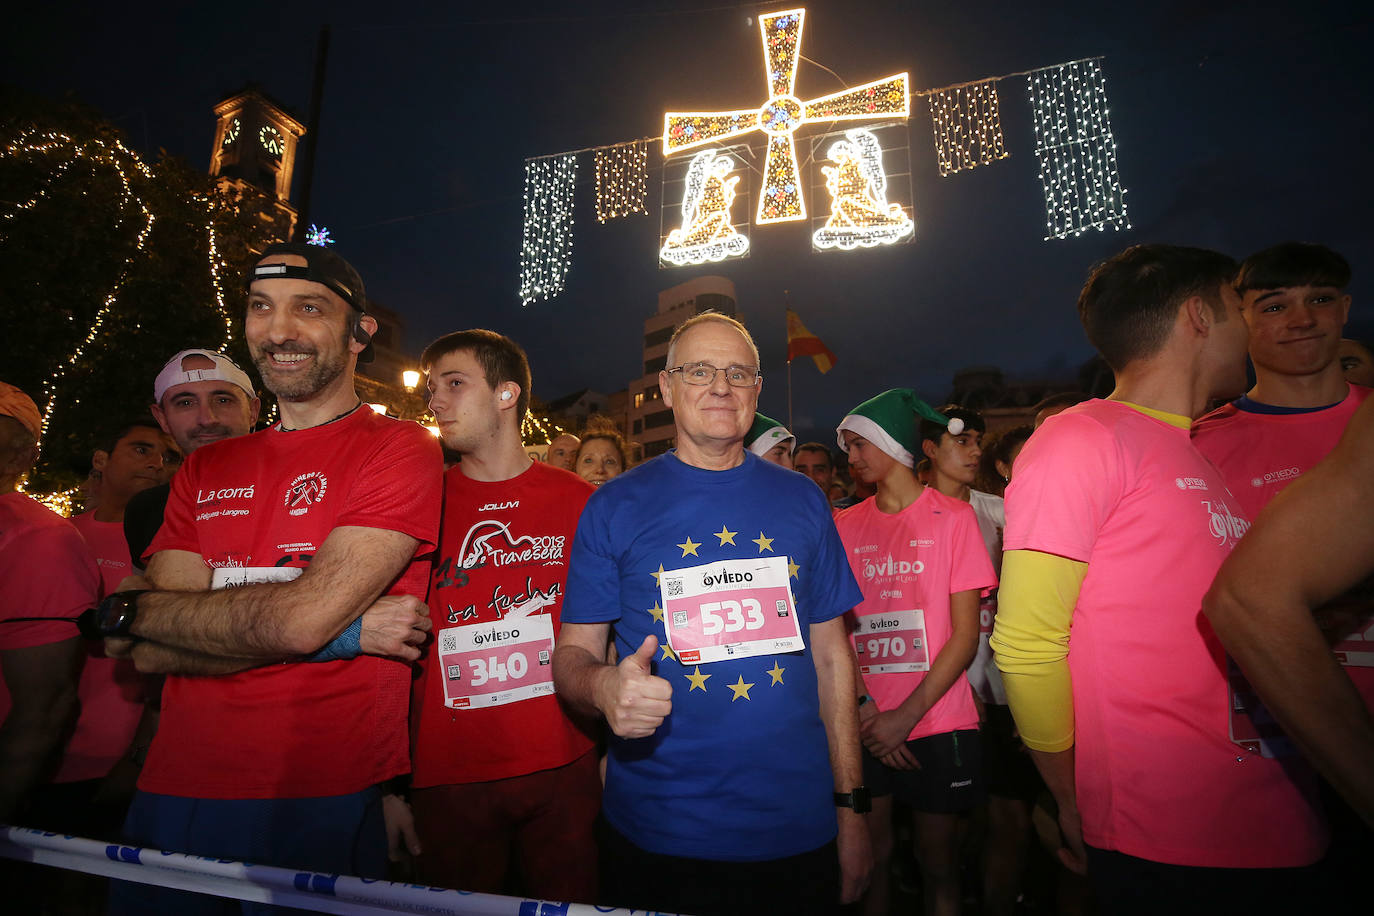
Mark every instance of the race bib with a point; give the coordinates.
(1252, 725)
(730, 609)
(891, 642)
(238, 576)
(493, 664)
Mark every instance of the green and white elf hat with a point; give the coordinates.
(889, 422)
(764, 434)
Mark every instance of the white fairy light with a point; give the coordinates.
(1076, 150)
(546, 245)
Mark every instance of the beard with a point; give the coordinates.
(299, 386)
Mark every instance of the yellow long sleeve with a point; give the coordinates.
(1030, 641)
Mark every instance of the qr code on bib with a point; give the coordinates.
(674, 588)
(448, 642)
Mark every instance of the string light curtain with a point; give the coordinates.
(622, 180)
(967, 124)
(546, 246)
(1076, 150)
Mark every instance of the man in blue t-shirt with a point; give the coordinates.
(734, 777)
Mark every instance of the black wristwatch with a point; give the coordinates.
(857, 798)
(112, 617)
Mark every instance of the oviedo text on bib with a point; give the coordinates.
(730, 609)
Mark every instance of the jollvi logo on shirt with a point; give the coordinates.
(305, 491)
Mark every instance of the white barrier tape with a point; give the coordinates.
(324, 893)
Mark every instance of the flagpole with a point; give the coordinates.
(787, 301)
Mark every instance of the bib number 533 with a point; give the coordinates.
(738, 616)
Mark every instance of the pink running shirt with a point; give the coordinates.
(916, 558)
(111, 689)
(1260, 454)
(1157, 775)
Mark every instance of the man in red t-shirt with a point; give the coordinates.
(45, 572)
(273, 545)
(505, 783)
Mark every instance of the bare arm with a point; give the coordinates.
(887, 731)
(42, 684)
(633, 700)
(1313, 542)
(272, 620)
(836, 675)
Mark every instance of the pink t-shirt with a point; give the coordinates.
(44, 572)
(1157, 775)
(1260, 454)
(908, 564)
(111, 689)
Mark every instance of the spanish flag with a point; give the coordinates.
(801, 342)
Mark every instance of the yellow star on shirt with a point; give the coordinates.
(698, 680)
(740, 688)
(765, 543)
(657, 612)
(668, 653)
(792, 568)
(657, 574)
(775, 673)
(689, 547)
(726, 536)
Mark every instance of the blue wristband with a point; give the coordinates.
(347, 644)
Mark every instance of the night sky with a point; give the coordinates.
(1239, 124)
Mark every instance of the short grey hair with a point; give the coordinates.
(702, 318)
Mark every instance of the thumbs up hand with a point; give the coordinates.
(633, 700)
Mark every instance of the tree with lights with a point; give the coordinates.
(111, 264)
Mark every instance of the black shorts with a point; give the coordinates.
(1008, 770)
(950, 779)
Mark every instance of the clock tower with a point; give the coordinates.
(255, 151)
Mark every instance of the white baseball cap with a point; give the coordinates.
(225, 370)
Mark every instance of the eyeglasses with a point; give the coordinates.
(702, 374)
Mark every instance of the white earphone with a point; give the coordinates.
(505, 395)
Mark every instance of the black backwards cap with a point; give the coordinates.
(321, 266)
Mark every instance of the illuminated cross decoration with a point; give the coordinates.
(782, 114)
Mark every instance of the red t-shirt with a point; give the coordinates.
(1260, 454)
(111, 689)
(45, 571)
(908, 564)
(484, 707)
(1156, 772)
(270, 500)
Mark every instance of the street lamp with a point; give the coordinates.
(411, 379)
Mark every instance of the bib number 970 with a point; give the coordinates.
(731, 616)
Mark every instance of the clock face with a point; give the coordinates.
(271, 140)
(231, 133)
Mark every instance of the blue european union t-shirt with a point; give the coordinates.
(740, 770)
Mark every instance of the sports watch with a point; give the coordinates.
(856, 798)
(112, 617)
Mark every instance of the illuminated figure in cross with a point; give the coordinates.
(782, 114)
(706, 233)
(860, 215)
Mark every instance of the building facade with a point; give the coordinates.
(651, 422)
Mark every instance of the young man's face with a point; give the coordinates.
(867, 462)
(1295, 330)
(815, 465)
(956, 457)
(143, 457)
(1357, 363)
(466, 407)
(780, 454)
